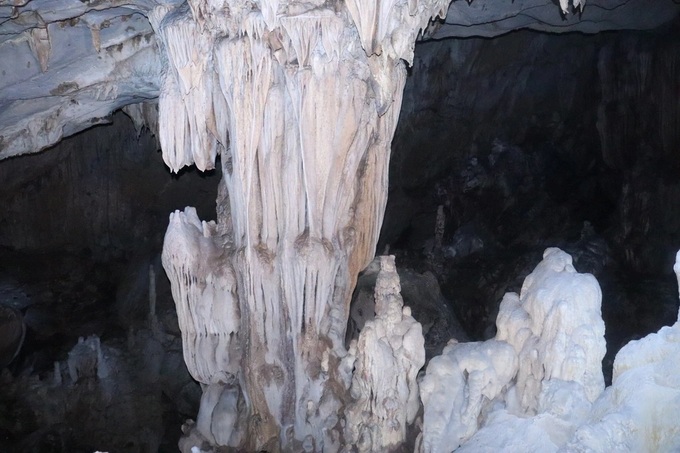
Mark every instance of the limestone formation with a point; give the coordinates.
(67, 64)
(545, 362)
(554, 402)
(301, 102)
(471, 376)
(556, 329)
(638, 412)
(389, 353)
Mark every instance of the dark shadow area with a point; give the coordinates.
(101, 367)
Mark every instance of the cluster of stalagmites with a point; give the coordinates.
(537, 386)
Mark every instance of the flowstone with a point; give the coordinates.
(639, 411)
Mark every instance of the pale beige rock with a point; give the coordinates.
(389, 353)
(302, 116)
(457, 387)
(567, 331)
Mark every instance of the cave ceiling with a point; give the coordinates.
(65, 65)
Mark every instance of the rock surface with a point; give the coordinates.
(577, 154)
(547, 353)
(563, 406)
(301, 101)
(487, 18)
(66, 65)
(421, 294)
(389, 353)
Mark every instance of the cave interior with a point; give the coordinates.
(505, 146)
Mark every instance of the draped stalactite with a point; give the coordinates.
(301, 102)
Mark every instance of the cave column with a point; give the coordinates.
(301, 101)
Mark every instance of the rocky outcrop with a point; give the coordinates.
(66, 67)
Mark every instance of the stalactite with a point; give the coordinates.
(578, 5)
(204, 290)
(303, 117)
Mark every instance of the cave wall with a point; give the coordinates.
(105, 189)
(463, 96)
(546, 131)
(531, 140)
(101, 367)
(639, 129)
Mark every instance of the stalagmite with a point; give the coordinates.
(558, 313)
(471, 375)
(639, 412)
(389, 353)
(539, 375)
(301, 101)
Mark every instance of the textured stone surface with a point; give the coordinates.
(66, 65)
(421, 294)
(492, 18)
(545, 358)
(389, 353)
(301, 101)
